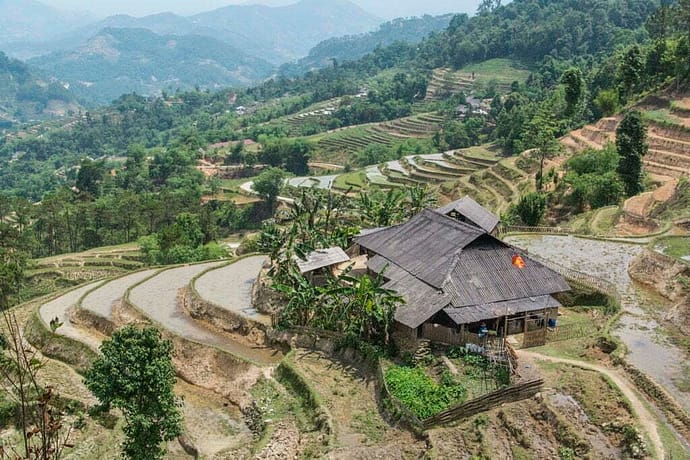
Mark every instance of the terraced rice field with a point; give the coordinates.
(350, 140)
(648, 349)
(668, 137)
(446, 82)
(321, 182)
(230, 287)
(100, 300)
(340, 144)
(376, 177)
(424, 125)
(502, 72)
(125, 257)
(157, 298)
(59, 308)
(314, 114)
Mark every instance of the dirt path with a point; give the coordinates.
(230, 287)
(645, 417)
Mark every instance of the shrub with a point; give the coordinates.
(531, 208)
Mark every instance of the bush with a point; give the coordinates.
(531, 208)
(592, 178)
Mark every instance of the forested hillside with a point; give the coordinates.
(352, 47)
(118, 61)
(533, 29)
(23, 96)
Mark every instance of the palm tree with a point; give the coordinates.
(379, 209)
(369, 307)
(419, 198)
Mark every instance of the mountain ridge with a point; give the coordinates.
(116, 61)
(291, 30)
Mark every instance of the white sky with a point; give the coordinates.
(387, 9)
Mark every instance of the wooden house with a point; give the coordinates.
(459, 281)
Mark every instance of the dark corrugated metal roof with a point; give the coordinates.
(437, 262)
(473, 212)
(483, 272)
(476, 313)
(421, 300)
(423, 246)
(321, 258)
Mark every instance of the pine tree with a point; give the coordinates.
(631, 137)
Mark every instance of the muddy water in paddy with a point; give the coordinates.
(157, 297)
(649, 349)
(230, 287)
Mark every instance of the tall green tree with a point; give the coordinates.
(12, 264)
(541, 136)
(631, 144)
(268, 185)
(630, 70)
(135, 374)
(90, 177)
(574, 84)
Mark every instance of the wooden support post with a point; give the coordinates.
(524, 325)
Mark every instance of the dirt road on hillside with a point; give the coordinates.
(644, 416)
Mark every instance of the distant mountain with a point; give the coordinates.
(390, 9)
(29, 20)
(25, 97)
(276, 34)
(284, 33)
(352, 47)
(117, 61)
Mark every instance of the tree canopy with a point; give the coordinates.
(135, 374)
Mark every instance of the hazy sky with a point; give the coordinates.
(384, 8)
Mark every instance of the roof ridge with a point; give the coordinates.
(442, 217)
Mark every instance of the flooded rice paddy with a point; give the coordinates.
(648, 347)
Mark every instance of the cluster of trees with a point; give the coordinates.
(460, 134)
(360, 307)
(184, 241)
(66, 221)
(532, 29)
(593, 178)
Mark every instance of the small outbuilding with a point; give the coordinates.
(320, 262)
